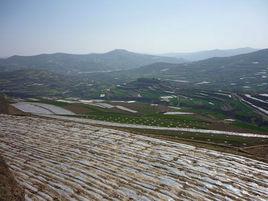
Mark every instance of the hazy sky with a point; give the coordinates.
(151, 26)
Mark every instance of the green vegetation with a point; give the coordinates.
(225, 140)
(225, 107)
(151, 120)
(221, 115)
(148, 115)
(251, 127)
(212, 109)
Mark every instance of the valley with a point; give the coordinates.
(87, 134)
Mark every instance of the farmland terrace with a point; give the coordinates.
(64, 160)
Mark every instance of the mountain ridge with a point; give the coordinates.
(117, 59)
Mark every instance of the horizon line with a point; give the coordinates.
(122, 49)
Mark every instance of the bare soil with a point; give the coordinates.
(6, 108)
(10, 190)
(78, 109)
(260, 151)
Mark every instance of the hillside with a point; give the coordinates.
(39, 83)
(65, 160)
(74, 63)
(201, 55)
(245, 72)
(34, 83)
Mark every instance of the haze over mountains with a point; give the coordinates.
(200, 55)
(86, 75)
(76, 63)
(117, 59)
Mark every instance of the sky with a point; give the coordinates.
(29, 27)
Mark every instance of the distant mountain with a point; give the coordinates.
(240, 72)
(74, 63)
(201, 55)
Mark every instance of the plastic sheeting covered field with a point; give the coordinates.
(63, 160)
(41, 108)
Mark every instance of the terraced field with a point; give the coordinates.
(64, 160)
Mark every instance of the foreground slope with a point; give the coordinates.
(9, 188)
(63, 160)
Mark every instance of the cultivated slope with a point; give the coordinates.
(70, 161)
(241, 72)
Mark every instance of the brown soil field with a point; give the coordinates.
(10, 190)
(260, 151)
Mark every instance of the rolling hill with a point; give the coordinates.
(240, 72)
(37, 82)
